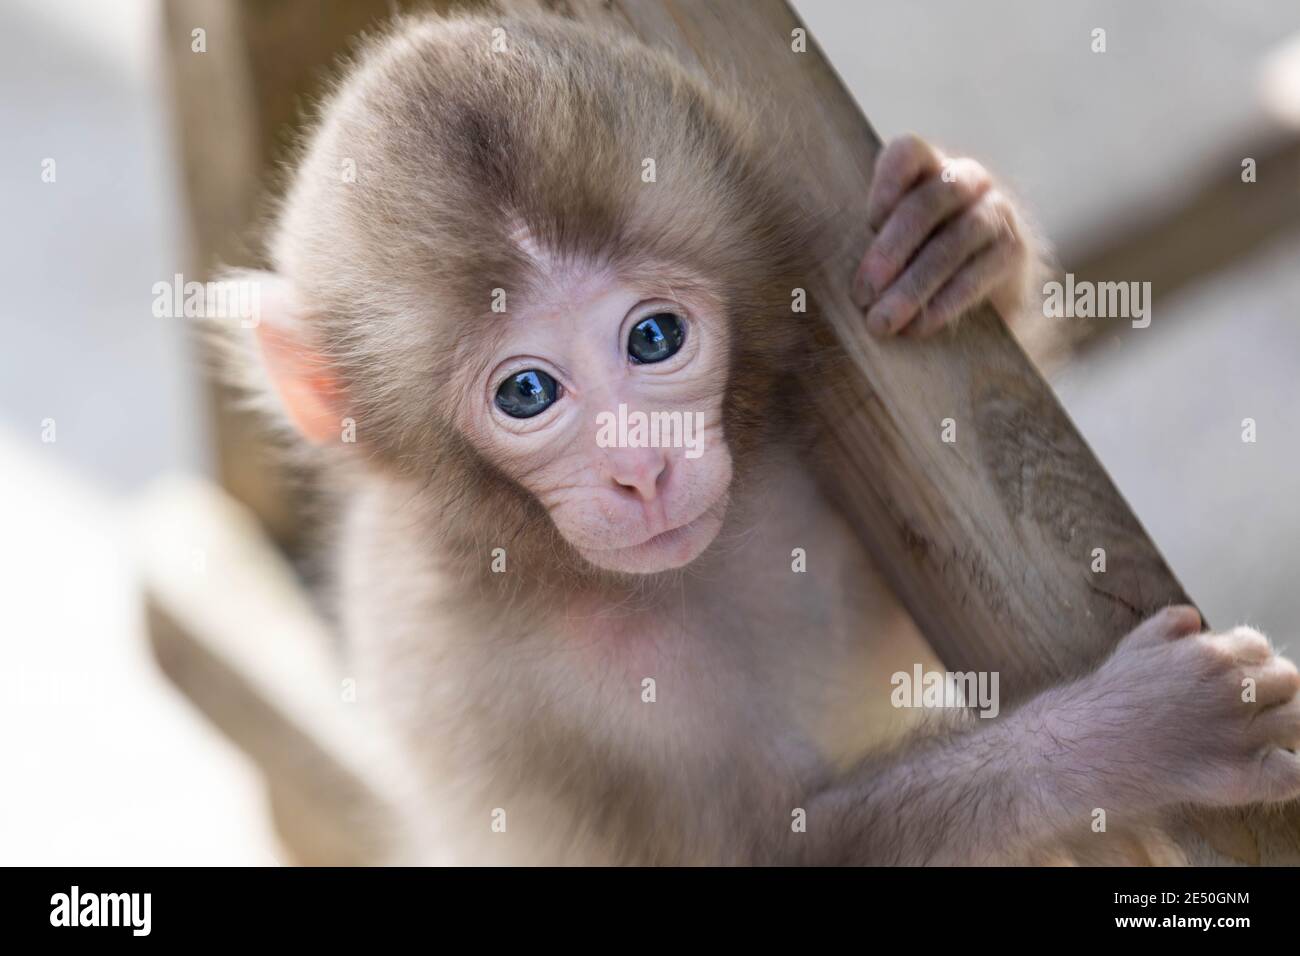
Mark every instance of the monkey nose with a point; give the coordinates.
(639, 472)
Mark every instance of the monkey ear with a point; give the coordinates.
(308, 387)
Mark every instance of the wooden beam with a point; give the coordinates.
(987, 540)
(238, 106)
(1217, 223)
(262, 669)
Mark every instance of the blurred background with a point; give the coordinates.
(129, 157)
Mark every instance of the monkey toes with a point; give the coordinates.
(1177, 620)
(1250, 693)
(1232, 687)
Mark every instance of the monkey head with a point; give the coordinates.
(550, 280)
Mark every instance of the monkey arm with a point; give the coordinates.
(1162, 721)
(980, 792)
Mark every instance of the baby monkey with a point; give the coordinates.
(591, 645)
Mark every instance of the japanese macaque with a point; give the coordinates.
(593, 647)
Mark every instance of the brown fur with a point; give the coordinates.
(520, 691)
(486, 141)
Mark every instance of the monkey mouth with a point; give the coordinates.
(669, 537)
(666, 550)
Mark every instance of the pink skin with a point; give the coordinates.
(940, 247)
(1171, 698)
(629, 509)
(946, 238)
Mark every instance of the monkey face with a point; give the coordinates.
(605, 403)
(559, 350)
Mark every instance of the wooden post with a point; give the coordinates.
(1221, 222)
(988, 540)
(263, 670)
(240, 88)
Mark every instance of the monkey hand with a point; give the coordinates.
(1179, 716)
(945, 239)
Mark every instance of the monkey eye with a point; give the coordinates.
(656, 337)
(527, 393)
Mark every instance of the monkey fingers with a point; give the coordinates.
(1170, 623)
(1279, 767)
(939, 258)
(1280, 775)
(899, 166)
(910, 225)
(972, 283)
(1276, 681)
(1246, 645)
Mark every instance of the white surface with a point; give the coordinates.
(104, 763)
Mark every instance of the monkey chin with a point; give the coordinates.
(667, 551)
